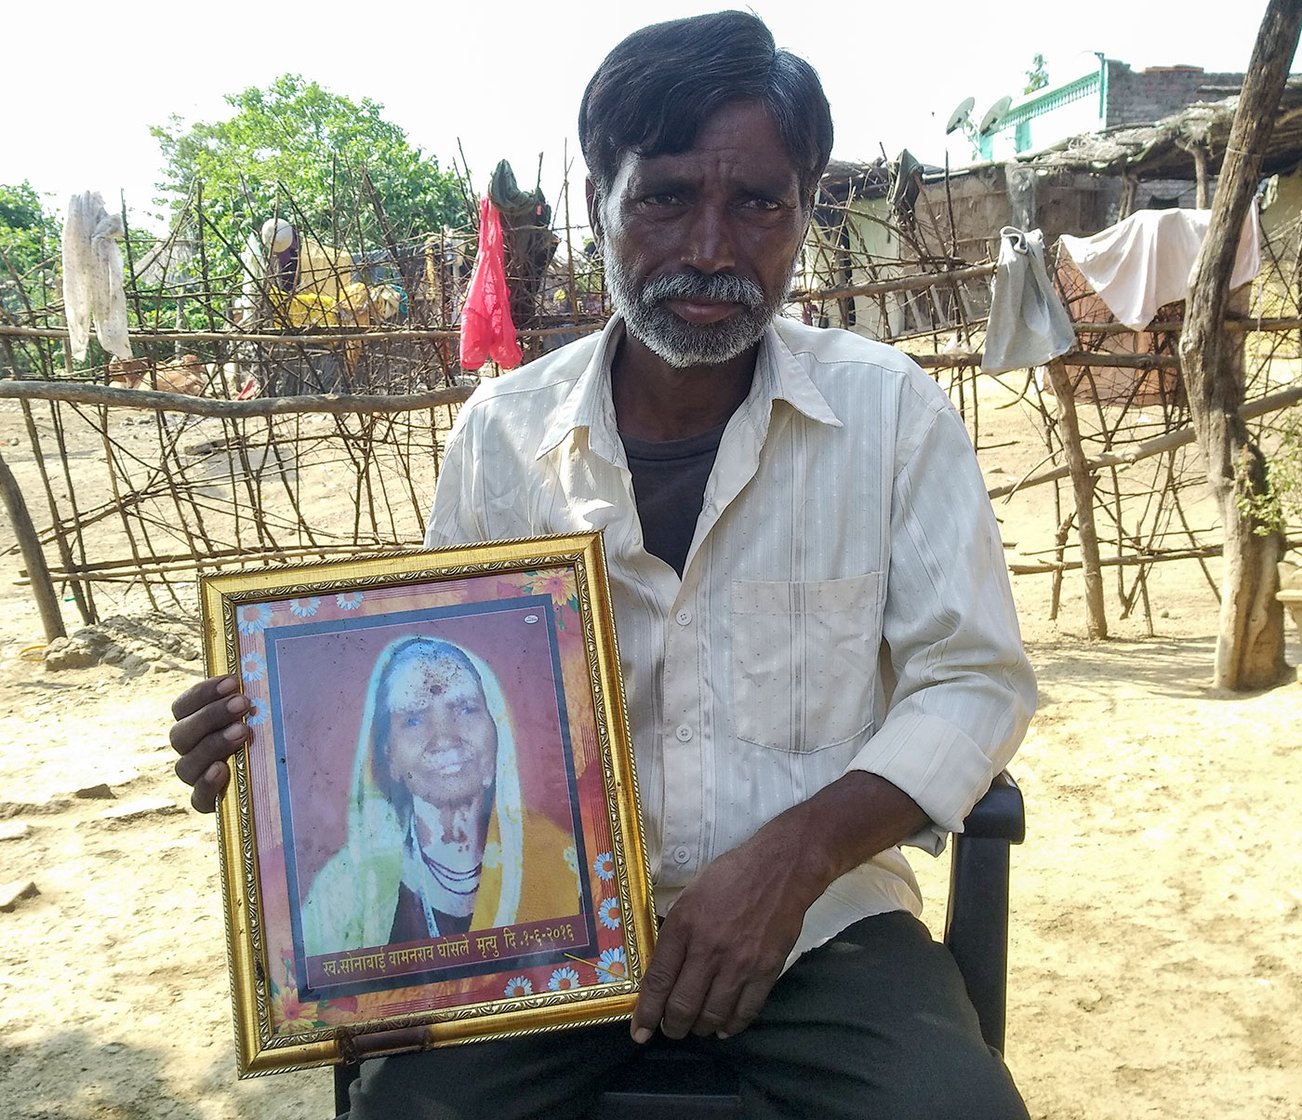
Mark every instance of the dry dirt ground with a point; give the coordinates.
(1157, 905)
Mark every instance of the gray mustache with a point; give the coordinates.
(722, 287)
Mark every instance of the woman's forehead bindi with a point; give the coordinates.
(419, 681)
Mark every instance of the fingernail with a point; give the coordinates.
(721, 1036)
(641, 1035)
(234, 733)
(213, 773)
(226, 686)
(236, 704)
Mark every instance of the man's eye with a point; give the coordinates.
(661, 198)
(758, 202)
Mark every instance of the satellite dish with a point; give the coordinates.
(994, 115)
(960, 116)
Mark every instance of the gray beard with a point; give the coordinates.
(680, 343)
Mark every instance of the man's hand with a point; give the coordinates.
(723, 945)
(725, 941)
(209, 728)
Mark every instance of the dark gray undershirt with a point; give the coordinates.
(669, 487)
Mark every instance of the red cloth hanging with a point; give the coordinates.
(486, 327)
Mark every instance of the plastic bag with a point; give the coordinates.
(1028, 325)
(486, 327)
(92, 277)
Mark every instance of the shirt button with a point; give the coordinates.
(684, 733)
(681, 854)
(684, 617)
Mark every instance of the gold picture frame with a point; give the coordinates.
(439, 736)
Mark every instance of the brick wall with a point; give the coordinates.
(1144, 96)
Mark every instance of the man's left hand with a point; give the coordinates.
(727, 937)
(725, 941)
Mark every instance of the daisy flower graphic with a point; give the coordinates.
(556, 585)
(253, 618)
(608, 912)
(611, 967)
(252, 667)
(289, 1014)
(349, 601)
(518, 986)
(257, 717)
(604, 866)
(563, 979)
(571, 858)
(304, 608)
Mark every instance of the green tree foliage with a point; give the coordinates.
(1037, 77)
(29, 253)
(299, 150)
(29, 240)
(1280, 507)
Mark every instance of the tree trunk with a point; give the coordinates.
(1250, 636)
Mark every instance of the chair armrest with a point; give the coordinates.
(976, 920)
(1000, 814)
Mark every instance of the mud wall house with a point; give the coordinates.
(853, 240)
(1077, 157)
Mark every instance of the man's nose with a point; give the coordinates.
(709, 247)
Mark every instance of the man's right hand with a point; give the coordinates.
(209, 728)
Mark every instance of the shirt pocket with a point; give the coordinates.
(804, 660)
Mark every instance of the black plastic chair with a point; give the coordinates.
(670, 1083)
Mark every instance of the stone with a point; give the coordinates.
(100, 792)
(133, 665)
(14, 830)
(11, 894)
(70, 653)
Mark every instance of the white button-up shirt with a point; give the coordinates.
(844, 604)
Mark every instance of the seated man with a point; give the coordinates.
(819, 643)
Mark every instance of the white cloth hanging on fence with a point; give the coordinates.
(1028, 324)
(92, 276)
(1147, 260)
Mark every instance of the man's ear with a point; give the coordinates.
(593, 196)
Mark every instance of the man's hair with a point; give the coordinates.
(655, 90)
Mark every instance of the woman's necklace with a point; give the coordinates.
(451, 880)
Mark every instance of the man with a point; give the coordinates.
(820, 649)
(439, 840)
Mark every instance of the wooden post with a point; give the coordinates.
(47, 600)
(1200, 177)
(1082, 483)
(1250, 635)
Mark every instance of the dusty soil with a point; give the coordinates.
(1157, 903)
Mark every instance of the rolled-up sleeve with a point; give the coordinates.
(964, 691)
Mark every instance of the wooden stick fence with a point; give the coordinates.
(341, 454)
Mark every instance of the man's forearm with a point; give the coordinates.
(846, 824)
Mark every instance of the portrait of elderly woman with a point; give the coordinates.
(439, 840)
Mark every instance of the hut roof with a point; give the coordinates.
(1162, 149)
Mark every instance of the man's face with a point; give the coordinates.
(699, 246)
(442, 739)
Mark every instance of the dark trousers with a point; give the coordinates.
(875, 1025)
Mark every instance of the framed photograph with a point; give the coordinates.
(432, 835)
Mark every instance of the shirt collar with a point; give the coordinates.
(588, 406)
